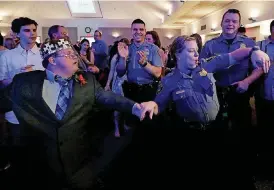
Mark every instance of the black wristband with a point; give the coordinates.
(145, 64)
(254, 48)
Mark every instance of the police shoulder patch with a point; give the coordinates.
(210, 58)
(203, 73)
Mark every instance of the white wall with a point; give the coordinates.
(253, 32)
(263, 9)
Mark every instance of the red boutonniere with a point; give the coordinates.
(79, 78)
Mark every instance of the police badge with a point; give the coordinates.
(203, 73)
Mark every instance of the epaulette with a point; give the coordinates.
(170, 73)
(167, 81)
(215, 38)
(204, 60)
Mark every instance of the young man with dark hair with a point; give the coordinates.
(233, 84)
(24, 58)
(234, 88)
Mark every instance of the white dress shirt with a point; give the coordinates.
(11, 63)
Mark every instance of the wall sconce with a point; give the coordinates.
(169, 36)
(213, 27)
(252, 19)
(115, 34)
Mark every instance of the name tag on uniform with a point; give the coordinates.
(180, 92)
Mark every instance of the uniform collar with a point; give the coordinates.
(179, 73)
(238, 38)
(144, 44)
(269, 40)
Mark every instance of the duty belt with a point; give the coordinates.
(197, 125)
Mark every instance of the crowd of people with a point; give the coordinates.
(187, 107)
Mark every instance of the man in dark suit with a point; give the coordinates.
(54, 109)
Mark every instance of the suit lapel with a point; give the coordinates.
(38, 90)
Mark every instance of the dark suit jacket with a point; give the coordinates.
(58, 152)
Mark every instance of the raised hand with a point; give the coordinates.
(143, 57)
(122, 49)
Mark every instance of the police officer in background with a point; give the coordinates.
(194, 141)
(233, 84)
(264, 109)
(142, 64)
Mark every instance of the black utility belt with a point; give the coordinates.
(196, 125)
(140, 86)
(227, 89)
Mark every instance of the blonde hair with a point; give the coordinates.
(178, 45)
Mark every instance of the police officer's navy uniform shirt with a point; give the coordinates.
(195, 96)
(135, 72)
(267, 89)
(101, 54)
(218, 46)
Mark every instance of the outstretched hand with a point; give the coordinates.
(140, 110)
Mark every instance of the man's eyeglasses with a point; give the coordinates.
(71, 56)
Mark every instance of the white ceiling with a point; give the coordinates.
(148, 10)
(60, 10)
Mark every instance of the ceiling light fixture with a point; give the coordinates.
(252, 19)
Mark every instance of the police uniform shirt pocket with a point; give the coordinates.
(210, 88)
(206, 84)
(148, 55)
(184, 100)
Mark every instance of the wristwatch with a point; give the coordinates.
(254, 48)
(145, 64)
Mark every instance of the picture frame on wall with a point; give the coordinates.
(89, 38)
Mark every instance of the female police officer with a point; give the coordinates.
(191, 86)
